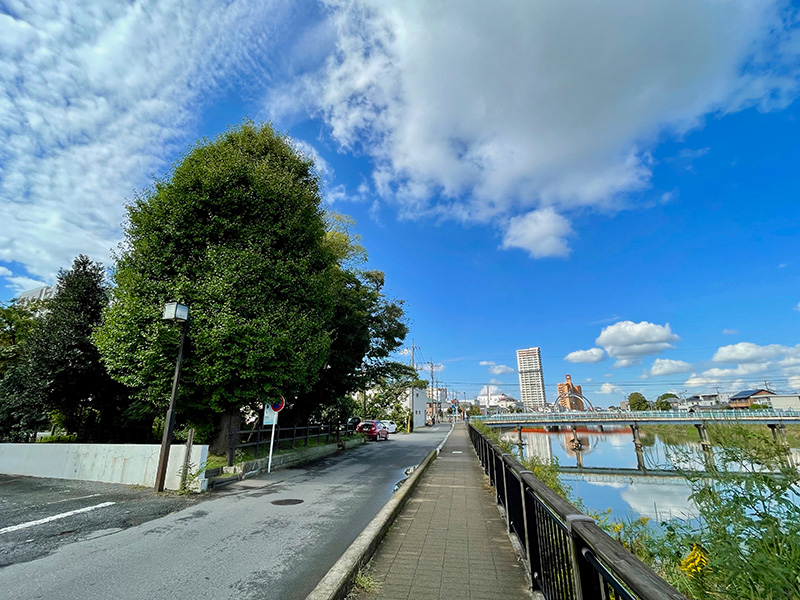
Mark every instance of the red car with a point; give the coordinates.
(374, 429)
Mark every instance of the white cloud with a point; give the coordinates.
(95, 98)
(541, 232)
(730, 332)
(610, 388)
(628, 342)
(744, 352)
(592, 355)
(23, 284)
(727, 378)
(794, 383)
(665, 366)
(746, 369)
(797, 306)
(5, 272)
(518, 116)
(496, 369)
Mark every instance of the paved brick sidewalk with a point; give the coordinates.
(449, 542)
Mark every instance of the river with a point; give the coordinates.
(611, 477)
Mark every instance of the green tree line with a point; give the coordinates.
(281, 304)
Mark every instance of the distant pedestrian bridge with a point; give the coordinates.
(703, 417)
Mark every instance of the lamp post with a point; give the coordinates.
(173, 311)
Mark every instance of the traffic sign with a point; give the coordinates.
(278, 406)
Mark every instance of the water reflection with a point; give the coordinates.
(606, 469)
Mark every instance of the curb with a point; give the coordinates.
(337, 582)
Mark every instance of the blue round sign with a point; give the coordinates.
(278, 406)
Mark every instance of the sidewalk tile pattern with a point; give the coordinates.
(450, 541)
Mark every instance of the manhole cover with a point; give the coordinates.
(287, 501)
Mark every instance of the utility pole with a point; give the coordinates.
(433, 410)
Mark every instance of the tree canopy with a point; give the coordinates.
(276, 303)
(636, 401)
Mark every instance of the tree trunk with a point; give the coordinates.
(229, 421)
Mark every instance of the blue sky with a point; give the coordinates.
(614, 182)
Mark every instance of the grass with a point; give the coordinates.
(366, 583)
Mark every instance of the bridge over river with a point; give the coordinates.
(705, 417)
(776, 420)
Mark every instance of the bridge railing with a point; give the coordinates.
(568, 554)
(645, 415)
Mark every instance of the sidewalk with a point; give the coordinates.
(449, 542)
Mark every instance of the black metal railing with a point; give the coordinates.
(258, 438)
(569, 556)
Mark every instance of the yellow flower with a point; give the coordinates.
(696, 561)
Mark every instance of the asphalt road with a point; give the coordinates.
(38, 516)
(271, 537)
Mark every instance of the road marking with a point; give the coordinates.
(53, 518)
(68, 499)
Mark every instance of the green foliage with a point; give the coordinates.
(17, 320)
(65, 365)
(22, 404)
(473, 411)
(22, 410)
(636, 401)
(663, 404)
(749, 522)
(278, 305)
(237, 234)
(745, 541)
(57, 439)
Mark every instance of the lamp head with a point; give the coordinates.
(175, 311)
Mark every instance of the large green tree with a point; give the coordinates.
(236, 232)
(64, 364)
(663, 401)
(22, 400)
(17, 320)
(636, 401)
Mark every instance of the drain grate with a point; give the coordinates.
(287, 502)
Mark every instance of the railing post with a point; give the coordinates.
(294, 436)
(525, 519)
(505, 491)
(583, 574)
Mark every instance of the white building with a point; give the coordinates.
(531, 378)
(782, 401)
(494, 401)
(415, 400)
(41, 293)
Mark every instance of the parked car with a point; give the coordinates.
(390, 425)
(374, 429)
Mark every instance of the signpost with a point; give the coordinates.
(273, 409)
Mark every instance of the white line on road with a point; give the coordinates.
(68, 499)
(53, 518)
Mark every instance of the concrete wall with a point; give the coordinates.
(133, 464)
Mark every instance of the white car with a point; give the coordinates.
(390, 425)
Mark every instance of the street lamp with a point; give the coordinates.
(173, 311)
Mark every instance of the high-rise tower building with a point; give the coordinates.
(570, 395)
(531, 378)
